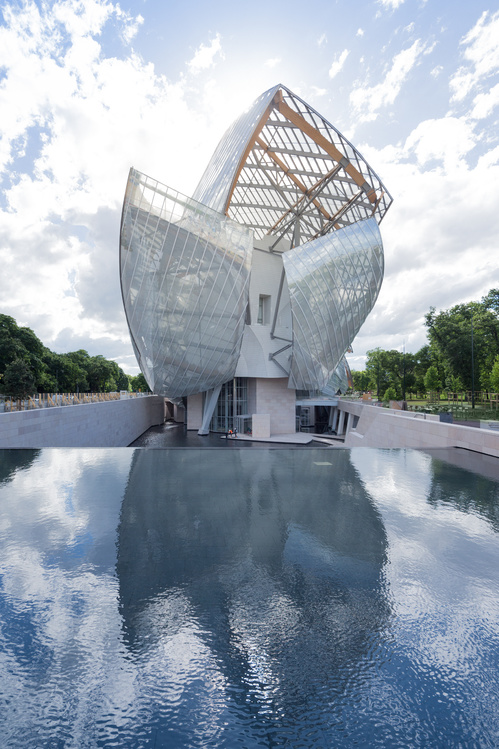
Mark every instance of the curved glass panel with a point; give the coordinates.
(214, 187)
(282, 169)
(333, 282)
(185, 280)
(341, 379)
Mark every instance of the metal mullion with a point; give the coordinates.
(144, 257)
(167, 267)
(309, 154)
(312, 375)
(368, 260)
(138, 254)
(319, 269)
(133, 222)
(307, 285)
(188, 234)
(258, 157)
(203, 370)
(194, 331)
(350, 333)
(356, 251)
(150, 287)
(193, 288)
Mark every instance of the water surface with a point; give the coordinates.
(250, 598)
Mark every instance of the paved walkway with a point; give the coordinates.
(176, 435)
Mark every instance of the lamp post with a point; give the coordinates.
(403, 381)
(472, 367)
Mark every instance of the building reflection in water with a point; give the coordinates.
(250, 583)
(192, 598)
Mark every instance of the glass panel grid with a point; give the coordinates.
(333, 284)
(185, 278)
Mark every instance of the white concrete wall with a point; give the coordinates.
(273, 397)
(195, 411)
(257, 345)
(260, 426)
(384, 427)
(106, 424)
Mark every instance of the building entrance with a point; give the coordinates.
(231, 411)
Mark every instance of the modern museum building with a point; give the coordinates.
(243, 300)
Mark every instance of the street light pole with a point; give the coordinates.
(403, 382)
(472, 367)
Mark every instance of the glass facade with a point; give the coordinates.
(232, 406)
(282, 183)
(184, 278)
(281, 163)
(333, 284)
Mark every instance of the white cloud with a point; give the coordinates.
(360, 32)
(481, 52)
(272, 62)
(131, 27)
(80, 119)
(204, 57)
(367, 101)
(338, 63)
(391, 4)
(484, 104)
(447, 141)
(74, 118)
(441, 230)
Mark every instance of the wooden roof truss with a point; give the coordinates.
(299, 177)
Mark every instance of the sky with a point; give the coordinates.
(89, 89)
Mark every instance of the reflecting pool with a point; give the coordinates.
(248, 598)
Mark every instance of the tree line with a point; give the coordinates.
(462, 354)
(27, 367)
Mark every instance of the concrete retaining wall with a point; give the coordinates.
(383, 427)
(107, 424)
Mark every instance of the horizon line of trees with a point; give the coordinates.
(462, 354)
(28, 367)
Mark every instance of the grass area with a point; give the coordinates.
(460, 412)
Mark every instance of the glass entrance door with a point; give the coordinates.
(232, 402)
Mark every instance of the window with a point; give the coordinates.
(263, 309)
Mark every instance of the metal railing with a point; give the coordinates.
(53, 400)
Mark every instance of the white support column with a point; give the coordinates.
(333, 418)
(348, 423)
(210, 403)
(340, 423)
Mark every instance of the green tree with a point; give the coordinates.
(450, 334)
(432, 380)
(21, 343)
(139, 383)
(494, 376)
(393, 369)
(389, 395)
(18, 380)
(360, 380)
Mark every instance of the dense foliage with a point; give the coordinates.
(27, 366)
(462, 353)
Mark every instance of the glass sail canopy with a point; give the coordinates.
(284, 177)
(184, 279)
